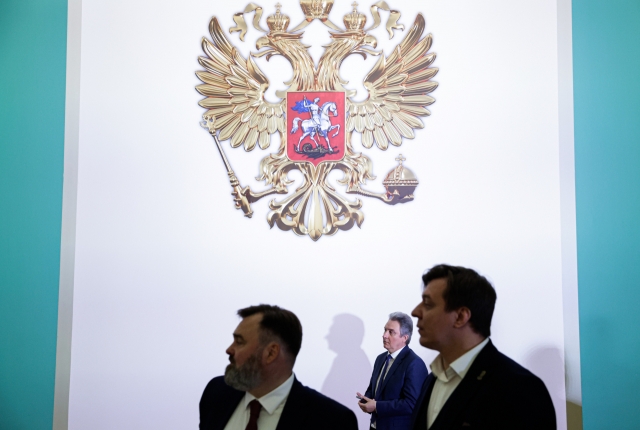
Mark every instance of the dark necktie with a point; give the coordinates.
(255, 408)
(382, 373)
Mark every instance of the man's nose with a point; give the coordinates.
(415, 313)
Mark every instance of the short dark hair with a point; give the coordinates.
(406, 324)
(279, 323)
(466, 288)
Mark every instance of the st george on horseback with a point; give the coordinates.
(319, 124)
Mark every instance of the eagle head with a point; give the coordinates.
(369, 40)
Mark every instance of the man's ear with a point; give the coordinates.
(463, 315)
(271, 352)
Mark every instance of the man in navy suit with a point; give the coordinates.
(398, 376)
(259, 390)
(472, 385)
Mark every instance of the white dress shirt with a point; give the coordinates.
(272, 406)
(381, 378)
(448, 380)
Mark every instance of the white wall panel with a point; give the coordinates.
(163, 261)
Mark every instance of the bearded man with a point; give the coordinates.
(259, 390)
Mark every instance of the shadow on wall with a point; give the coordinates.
(547, 364)
(351, 369)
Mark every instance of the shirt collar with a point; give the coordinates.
(460, 366)
(273, 399)
(395, 354)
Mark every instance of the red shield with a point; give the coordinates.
(315, 126)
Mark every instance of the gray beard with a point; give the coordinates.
(246, 377)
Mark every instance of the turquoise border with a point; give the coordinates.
(606, 55)
(33, 43)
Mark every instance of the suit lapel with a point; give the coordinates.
(394, 367)
(377, 368)
(420, 413)
(467, 389)
(228, 404)
(293, 414)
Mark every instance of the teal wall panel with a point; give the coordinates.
(606, 55)
(32, 97)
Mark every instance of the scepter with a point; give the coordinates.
(240, 197)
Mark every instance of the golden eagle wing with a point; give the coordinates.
(234, 89)
(398, 92)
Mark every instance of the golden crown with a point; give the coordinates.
(354, 20)
(316, 8)
(278, 21)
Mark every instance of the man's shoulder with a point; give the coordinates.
(314, 396)
(218, 402)
(511, 393)
(306, 408)
(217, 388)
(508, 365)
(406, 353)
(382, 355)
(412, 357)
(218, 382)
(416, 367)
(511, 372)
(309, 395)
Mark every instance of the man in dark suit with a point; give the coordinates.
(259, 390)
(472, 385)
(398, 376)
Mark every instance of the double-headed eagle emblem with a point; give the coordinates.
(317, 116)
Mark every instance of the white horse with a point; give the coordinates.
(310, 127)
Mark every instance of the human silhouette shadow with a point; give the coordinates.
(351, 369)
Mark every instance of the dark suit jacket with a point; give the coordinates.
(305, 409)
(399, 391)
(496, 393)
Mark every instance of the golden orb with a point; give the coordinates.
(400, 182)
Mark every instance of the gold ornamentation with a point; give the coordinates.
(392, 23)
(400, 182)
(278, 22)
(316, 9)
(354, 21)
(327, 211)
(398, 87)
(241, 26)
